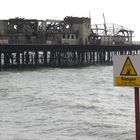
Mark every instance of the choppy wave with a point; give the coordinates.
(65, 104)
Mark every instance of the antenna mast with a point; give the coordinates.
(89, 15)
(105, 24)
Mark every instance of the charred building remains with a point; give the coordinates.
(70, 31)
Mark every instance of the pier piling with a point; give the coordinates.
(21, 56)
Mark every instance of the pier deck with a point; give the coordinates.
(22, 56)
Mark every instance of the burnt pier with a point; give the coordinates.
(23, 56)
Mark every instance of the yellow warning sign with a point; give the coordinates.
(128, 68)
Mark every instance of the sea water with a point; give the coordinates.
(65, 104)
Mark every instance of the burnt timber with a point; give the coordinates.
(23, 56)
(69, 31)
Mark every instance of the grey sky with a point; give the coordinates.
(122, 12)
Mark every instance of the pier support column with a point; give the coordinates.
(5, 61)
(78, 57)
(52, 55)
(103, 57)
(23, 59)
(74, 58)
(83, 57)
(97, 61)
(45, 57)
(27, 57)
(18, 59)
(36, 58)
(93, 57)
(108, 57)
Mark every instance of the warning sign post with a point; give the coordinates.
(126, 72)
(137, 113)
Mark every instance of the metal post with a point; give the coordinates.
(137, 113)
(0, 60)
